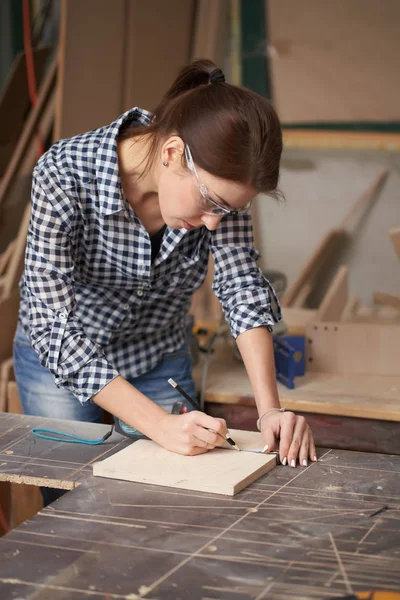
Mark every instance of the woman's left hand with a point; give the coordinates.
(296, 439)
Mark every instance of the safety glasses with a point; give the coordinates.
(209, 205)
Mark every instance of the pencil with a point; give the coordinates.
(196, 406)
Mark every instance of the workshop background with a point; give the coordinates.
(331, 248)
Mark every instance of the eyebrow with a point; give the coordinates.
(223, 201)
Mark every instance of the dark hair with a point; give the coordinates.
(233, 133)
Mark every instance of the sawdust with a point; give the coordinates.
(333, 488)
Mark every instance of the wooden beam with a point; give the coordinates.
(210, 30)
(357, 140)
(332, 243)
(335, 300)
(351, 308)
(395, 237)
(29, 130)
(386, 299)
(16, 262)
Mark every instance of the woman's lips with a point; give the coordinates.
(187, 225)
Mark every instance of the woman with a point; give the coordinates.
(122, 222)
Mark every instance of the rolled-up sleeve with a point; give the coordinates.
(247, 297)
(76, 362)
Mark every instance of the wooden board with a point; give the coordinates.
(372, 397)
(297, 319)
(220, 471)
(29, 129)
(354, 348)
(351, 308)
(114, 35)
(395, 237)
(386, 299)
(335, 300)
(311, 40)
(318, 268)
(15, 102)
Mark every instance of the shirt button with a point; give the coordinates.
(63, 316)
(140, 292)
(126, 306)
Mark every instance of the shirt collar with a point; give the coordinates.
(107, 171)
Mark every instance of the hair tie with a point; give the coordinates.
(217, 76)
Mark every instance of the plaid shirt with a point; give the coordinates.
(92, 303)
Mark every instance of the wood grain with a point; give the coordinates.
(220, 471)
(354, 348)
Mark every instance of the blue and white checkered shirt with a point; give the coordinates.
(92, 303)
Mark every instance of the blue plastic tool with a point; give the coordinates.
(289, 352)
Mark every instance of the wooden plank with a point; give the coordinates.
(305, 50)
(91, 33)
(297, 319)
(15, 102)
(335, 300)
(351, 308)
(220, 471)
(6, 374)
(386, 299)
(332, 243)
(351, 140)
(8, 322)
(354, 348)
(329, 244)
(5, 256)
(13, 401)
(374, 397)
(59, 465)
(16, 262)
(114, 35)
(395, 237)
(211, 24)
(19, 192)
(29, 130)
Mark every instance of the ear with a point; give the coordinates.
(172, 150)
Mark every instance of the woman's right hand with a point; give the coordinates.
(191, 433)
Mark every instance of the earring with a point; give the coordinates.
(165, 164)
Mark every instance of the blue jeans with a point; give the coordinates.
(40, 396)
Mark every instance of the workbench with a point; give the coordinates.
(295, 533)
(350, 412)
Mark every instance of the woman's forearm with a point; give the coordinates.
(256, 348)
(123, 400)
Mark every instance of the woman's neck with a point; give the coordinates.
(141, 192)
(132, 158)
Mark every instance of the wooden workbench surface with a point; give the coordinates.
(295, 533)
(360, 396)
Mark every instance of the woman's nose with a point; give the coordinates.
(211, 221)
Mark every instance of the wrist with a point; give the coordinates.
(265, 413)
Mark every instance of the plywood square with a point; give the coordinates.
(220, 471)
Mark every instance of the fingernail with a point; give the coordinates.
(304, 463)
(284, 461)
(293, 463)
(315, 459)
(265, 448)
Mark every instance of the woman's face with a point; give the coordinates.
(182, 204)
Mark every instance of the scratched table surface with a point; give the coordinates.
(296, 533)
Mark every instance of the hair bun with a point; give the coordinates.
(217, 76)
